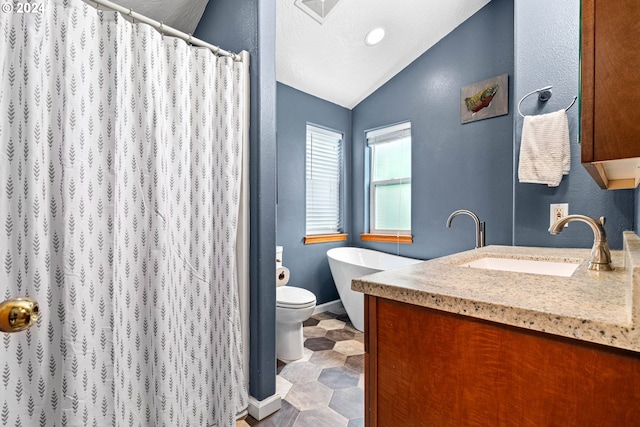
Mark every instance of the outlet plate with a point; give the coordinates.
(557, 211)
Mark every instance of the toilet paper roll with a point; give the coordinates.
(282, 276)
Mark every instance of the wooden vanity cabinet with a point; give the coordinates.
(610, 91)
(426, 367)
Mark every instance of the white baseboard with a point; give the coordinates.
(332, 306)
(263, 408)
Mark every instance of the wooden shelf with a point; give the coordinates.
(616, 174)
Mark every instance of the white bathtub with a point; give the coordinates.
(349, 263)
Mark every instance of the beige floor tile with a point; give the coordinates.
(300, 372)
(313, 332)
(340, 335)
(355, 363)
(328, 358)
(349, 327)
(331, 324)
(350, 348)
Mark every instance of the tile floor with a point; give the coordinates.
(326, 386)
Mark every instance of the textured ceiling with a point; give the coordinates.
(332, 62)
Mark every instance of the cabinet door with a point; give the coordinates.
(425, 367)
(610, 79)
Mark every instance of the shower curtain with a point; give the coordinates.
(120, 164)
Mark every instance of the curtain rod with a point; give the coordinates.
(164, 29)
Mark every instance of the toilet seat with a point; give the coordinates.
(292, 297)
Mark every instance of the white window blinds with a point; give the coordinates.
(323, 181)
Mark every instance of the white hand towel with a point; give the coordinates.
(545, 150)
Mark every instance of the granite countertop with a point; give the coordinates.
(600, 307)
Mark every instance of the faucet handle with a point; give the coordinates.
(602, 221)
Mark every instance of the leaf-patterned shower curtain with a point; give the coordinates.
(120, 157)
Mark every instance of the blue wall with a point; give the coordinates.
(249, 25)
(547, 53)
(307, 263)
(636, 215)
(637, 211)
(454, 166)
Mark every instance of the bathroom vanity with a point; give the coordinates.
(448, 344)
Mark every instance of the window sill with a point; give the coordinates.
(324, 238)
(387, 238)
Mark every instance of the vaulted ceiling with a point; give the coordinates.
(329, 59)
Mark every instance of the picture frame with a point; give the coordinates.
(486, 99)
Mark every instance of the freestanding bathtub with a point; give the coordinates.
(349, 263)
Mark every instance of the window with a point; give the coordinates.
(390, 180)
(323, 182)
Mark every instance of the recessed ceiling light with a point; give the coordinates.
(374, 36)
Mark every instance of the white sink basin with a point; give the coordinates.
(549, 268)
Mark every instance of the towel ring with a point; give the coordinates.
(544, 94)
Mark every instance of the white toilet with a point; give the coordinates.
(293, 306)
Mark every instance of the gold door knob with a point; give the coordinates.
(18, 314)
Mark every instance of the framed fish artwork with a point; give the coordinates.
(485, 99)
